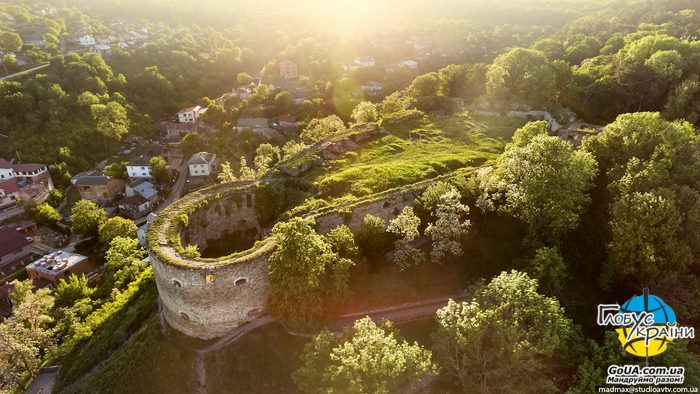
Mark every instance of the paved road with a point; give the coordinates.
(398, 313)
(27, 71)
(43, 384)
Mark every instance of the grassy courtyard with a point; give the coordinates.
(417, 150)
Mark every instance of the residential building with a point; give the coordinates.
(412, 64)
(287, 121)
(101, 49)
(259, 126)
(27, 173)
(242, 93)
(143, 230)
(202, 164)
(55, 266)
(135, 206)
(364, 61)
(288, 69)
(139, 167)
(9, 193)
(143, 188)
(150, 150)
(189, 115)
(176, 130)
(87, 40)
(99, 189)
(14, 249)
(372, 87)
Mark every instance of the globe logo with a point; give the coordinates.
(647, 339)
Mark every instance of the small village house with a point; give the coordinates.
(202, 164)
(99, 189)
(48, 270)
(14, 250)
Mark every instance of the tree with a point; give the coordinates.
(521, 74)
(26, 336)
(10, 42)
(450, 227)
(646, 243)
(283, 102)
(266, 156)
(246, 173)
(111, 120)
(318, 129)
(365, 359)
(395, 102)
(548, 267)
(546, 183)
(86, 217)
(125, 260)
(292, 148)
(46, 214)
(226, 173)
(159, 168)
(342, 242)
(243, 79)
(297, 268)
(427, 202)
(117, 170)
(116, 227)
(500, 341)
(425, 85)
(68, 292)
(682, 103)
(365, 112)
(372, 238)
(191, 144)
(667, 65)
(406, 227)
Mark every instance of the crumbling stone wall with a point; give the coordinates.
(207, 299)
(226, 215)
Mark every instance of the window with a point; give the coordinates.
(209, 279)
(241, 281)
(184, 316)
(177, 283)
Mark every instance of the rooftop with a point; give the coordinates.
(11, 240)
(140, 161)
(56, 262)
(190, 109)
(92, 180)
(9, 186)
(201, 158)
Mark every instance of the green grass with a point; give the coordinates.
(445, 144)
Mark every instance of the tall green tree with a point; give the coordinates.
(523, 75)
(504, 339)
(116, 227)
(366, 358)
(546, 184)
(86, 217)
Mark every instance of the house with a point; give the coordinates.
(202, 164)
(150, 150)
(143, 230)
(99, 189)
(53, 267)
(135, 206)
(143, 188)
(412, 64)
(123, 45)
(34, 39)
(288, 69)
(189, 115)
(101, 49)
(9, 193)
(364, 61)
(372, 87)
(242, 93)
(139, 167)
(86, 40)
(14, 249)
(177, 130)
(28, 173)
(287, 121)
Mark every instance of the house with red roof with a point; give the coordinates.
(14, 250)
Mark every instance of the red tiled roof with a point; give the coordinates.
(9, 186)
(29, 167)
(11, 240)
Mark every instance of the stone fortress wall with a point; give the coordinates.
(207, 298)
